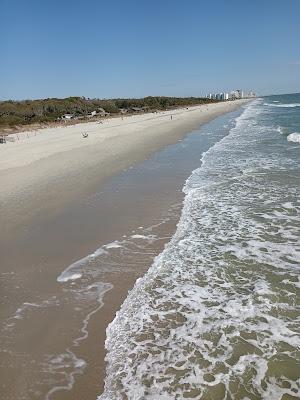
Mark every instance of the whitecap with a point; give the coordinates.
(294, 137)
(285, 105)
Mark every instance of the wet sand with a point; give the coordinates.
(51, 223)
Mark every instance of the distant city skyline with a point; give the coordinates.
(137, 49)
(232, 95)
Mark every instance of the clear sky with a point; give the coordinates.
(135, 48)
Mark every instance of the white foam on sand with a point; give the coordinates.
(71, 277)
(77, 269)
(26, 306)
(64, 367)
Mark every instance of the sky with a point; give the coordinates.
(130, 48)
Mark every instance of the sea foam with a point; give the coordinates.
(215, 312)
(294, 137)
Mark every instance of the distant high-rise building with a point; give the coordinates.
(234, 94)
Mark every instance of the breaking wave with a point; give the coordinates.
(294, 137)
(291, 105)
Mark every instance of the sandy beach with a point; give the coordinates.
(62, 198)
(149, 200)
(47, 169)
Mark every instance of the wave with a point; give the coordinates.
(294, 137)
(290, 105)
(206, 319)
(77, 269)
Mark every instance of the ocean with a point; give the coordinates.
(217, 314)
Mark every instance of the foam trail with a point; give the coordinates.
(67, 364)
(77, 269)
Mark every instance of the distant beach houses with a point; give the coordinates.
(67, 116)
(133, 110)
(100, 112)
(233, 95)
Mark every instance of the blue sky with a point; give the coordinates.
(130, 48)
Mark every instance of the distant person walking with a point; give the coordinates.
(171, 116)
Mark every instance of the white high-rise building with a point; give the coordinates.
(234, 94)
(240, 93)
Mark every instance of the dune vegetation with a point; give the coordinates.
(15, 113)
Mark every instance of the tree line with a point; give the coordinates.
(14, 113)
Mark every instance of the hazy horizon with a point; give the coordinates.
(107, 98)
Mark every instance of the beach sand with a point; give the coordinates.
(62, 197)
(45, 172)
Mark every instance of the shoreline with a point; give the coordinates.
(121, 208)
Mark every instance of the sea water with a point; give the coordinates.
(217, 314)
